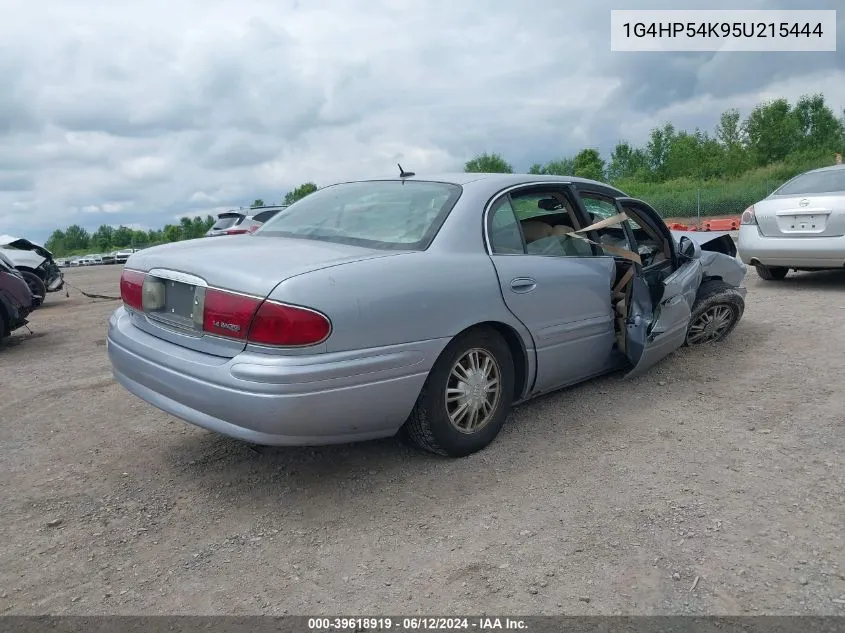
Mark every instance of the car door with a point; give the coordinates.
(562, 295)
(661, 306)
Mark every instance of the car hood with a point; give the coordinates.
(25, 245)
(249, 264)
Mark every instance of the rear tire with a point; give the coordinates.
(771, 273)
(36, 287)
(466, 397)
(717, 309)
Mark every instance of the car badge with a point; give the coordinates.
(804, 202)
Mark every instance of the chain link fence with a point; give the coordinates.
(708, 201)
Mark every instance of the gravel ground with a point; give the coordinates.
(723, 465)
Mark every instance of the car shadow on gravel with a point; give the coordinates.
(815, 280)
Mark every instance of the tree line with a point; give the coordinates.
(736, 164)
(75, 240)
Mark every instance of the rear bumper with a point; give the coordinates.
(790, 252)
(274, 400)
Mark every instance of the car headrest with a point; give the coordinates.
(548, 204)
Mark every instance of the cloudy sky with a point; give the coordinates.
(143, 111)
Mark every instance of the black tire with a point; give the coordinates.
(36, 287)
(771, 273)
(714, 298)
(429, 424)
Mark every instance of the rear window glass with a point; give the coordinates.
(814, 182)
(225, 223)
(378, 214)
(265, 215)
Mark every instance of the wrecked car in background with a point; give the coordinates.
(431, 305)
(35, 263)
(16, 300)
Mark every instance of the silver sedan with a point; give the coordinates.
(801, 226)
(429, 305)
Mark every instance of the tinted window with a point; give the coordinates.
(829, 181)
(263, 216)
(378, 214)
(227, 222)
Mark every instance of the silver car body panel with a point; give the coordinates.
(392, 315)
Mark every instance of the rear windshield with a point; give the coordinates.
(814, 182)
(226, 223)
(378, 214)
(265, 215)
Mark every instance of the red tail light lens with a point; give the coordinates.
(748, 216)
(236, 231)
(262, 322)
(254, 228)
(131, 288)
(228, 314)
(284, 325)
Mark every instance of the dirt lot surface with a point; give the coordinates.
(724, 464)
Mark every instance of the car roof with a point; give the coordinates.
(503, 180)
(828, 168)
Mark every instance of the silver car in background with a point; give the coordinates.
(801, 226)
(425, 304)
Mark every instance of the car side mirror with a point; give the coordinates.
(689, 248)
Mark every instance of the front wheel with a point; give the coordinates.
(717, 309)
(467, 396)
(36, 287)
(771, 273)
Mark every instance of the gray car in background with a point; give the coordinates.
(800, 226)
(431, 305)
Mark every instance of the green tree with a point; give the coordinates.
(208, 223)
(257, 203)
(300, 192)
(56, 243)
(821, 131)
(559, 167)
(122, 237)
(657, 149)
(102, 238)
(627, 162)
(588, 164)
(171, 233)
(488, 164)
(139, 238)
(76, 238)
(773, 131)
(730, 134)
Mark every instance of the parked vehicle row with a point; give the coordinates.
(423, 305)
(115, 257)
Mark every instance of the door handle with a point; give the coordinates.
(523, 284)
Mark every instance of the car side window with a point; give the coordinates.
(601, 208)
(505, 236)
(548, 221)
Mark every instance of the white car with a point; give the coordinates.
(35, 263)
(800, 226)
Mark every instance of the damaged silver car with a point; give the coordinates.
(425, 304)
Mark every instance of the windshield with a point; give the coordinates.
(832, 180)
(378, 214)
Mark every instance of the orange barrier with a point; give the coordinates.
(677, 226)
(727, 224)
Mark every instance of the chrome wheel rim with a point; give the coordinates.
(473, 391)
(711, 325)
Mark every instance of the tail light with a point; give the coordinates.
(748, 216)
(131, 288)
(285, 325)
(254, 228)
(236, 231)
(262, 322)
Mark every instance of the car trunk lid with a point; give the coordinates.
(250, 265)
(811, 215)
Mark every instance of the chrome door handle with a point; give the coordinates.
(523, 284)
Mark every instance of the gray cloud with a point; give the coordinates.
(139, 113)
